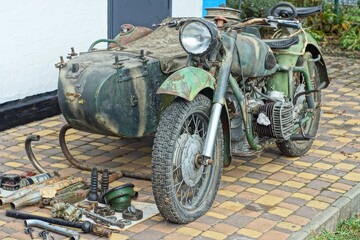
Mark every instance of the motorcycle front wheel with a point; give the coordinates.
(183, 189)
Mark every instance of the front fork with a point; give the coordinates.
(229, 41)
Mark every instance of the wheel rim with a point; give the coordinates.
(191, 182)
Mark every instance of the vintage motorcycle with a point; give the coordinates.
(209, 88)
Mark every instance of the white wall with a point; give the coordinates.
(187, 8)
(34, 33)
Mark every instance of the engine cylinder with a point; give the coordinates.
(281, 124)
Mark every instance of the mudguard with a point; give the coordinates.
(187, 83)
(289, 57)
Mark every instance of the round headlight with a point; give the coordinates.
(198, 37)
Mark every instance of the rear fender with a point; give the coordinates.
(187, 83)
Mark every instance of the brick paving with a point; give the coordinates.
(265, 197)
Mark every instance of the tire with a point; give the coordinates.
(299, 148)
(183, 192)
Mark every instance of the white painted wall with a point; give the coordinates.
(34, 33)
(187, 8)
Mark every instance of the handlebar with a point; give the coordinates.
(274, 22)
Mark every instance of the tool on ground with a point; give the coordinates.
(104, 185)
(29, 231)
(74, 187)
(103, 219)
(73, 235)
(86, 226)
(68, 197)
(43, 192)
(26, 190)
(133, 214)
(10, 182)
(34, 179)
(104, 211)
(45, 235)
(93, 194)
(119, 198)
(87, 205)
(27, 174)
(66, 211)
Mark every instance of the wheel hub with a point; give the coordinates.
(191, 174)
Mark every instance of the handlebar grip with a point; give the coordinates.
(289, 25)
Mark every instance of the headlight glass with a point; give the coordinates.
(197, 37)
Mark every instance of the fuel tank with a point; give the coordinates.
(111, 93)
(257, 59)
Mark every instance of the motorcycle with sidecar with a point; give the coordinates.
(208, 89)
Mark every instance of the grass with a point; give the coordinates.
(347, 230)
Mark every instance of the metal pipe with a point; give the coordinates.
(44, 225)
(89, 167)
(30, 153)
(244, 114)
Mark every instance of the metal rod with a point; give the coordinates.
(211, 135)
(89, 167)
(44, 225)
(30, 153)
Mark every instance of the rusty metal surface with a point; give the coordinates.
(130, 33)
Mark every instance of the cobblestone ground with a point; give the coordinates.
(265, 197)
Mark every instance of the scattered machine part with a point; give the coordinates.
(34, 179)
(87, 205)
(93, 194)
(29, 231)
(104, 211)
(66, 211)
(103, 219)
(133, 214)
(104, 185)
(70, 197)
(48, 191)
(27, 174)
(45, 235)
(11, 182)
(74, 187)
(126, 222)
(120, 197)
(86, 226)
(61, 230)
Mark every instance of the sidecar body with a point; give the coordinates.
(113, 91)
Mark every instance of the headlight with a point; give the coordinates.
(198, 37)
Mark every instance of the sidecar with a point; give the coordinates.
(113, 91)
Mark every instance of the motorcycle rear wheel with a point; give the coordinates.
(183, 190)
(299, 148)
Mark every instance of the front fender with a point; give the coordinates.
(187, 83)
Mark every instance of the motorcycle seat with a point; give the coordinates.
(282, 43)
(308, 11)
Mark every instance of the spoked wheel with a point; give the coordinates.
(306, 122)
(184, 189)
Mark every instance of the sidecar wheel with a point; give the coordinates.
(183, 190)
(299, 148)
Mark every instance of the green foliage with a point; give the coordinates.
(351, 39)
(347, 230)
(344, 28)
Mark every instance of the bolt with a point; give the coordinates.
(93, 194)
(104, 185)
(44, 234)
(29, 231)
